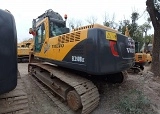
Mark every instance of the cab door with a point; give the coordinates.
(39, 38)
(53, 40)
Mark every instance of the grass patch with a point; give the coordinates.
(135, 103)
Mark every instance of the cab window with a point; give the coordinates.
(40, 37)
(56, 29)
(41, 33)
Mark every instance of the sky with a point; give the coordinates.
(25, 10)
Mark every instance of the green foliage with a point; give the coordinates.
(135, 103)
(110, 24)
(134, 17)
(148, 39)
(122, 26)
(136, 31)
(145, 27)
(107, 24)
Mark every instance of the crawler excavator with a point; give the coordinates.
(23, 50)
(70, 62)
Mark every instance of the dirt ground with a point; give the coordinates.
(140, 94)
(39, 103)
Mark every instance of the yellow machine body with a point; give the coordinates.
(23, 49)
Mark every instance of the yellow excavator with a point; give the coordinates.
(140, 58)
(70, 63)
(26, 43)
(148, 51)
(23, 50)
(149, 58)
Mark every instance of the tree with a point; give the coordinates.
(134, 25)
(155, 18)
(138, 37)
(145, 27)
(135, 31)
(122, 26)
(134, 17)
(146, 41)
(110, 22)
(73, 23)
(92, 20)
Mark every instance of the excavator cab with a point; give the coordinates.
(140, 58)
(48, 25)
(8, 52)
(148, 50)
(57, 26)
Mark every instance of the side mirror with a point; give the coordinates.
(30, 30)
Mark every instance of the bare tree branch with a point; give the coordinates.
(73, 23)
(106, 17)
(110, 22)
(92, 20)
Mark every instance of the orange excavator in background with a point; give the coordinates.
(148, 51)
(140, 58)
(72, 63)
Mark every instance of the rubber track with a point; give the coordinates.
(56, 100)
(85, 88)
(16, 101)
(131, 70)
